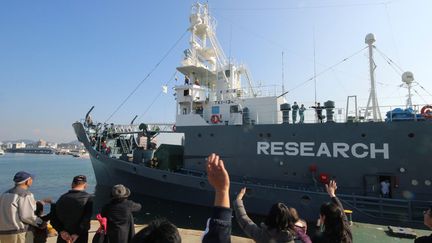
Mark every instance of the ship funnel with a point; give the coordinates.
(329, 106)
(285, 108)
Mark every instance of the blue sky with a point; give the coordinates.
(58, 58)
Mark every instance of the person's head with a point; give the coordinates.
(427, 217)
(39, 208)
(334, 224)
(79, 182)
(318, 103)
(295, 102)
(279, 217)
(120, 192)
(23, 179)
(158, 231)
(302, 105)
(294, 214)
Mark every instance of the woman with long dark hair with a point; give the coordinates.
(333, 221)
(277, 227)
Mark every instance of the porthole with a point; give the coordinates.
(202, 184)
(293, 134)
(135, 169)
(414, 182)
(260, 135)
(363, 135)
(199, 135)
(402, 170)
(211, 135)
(164, 177)
(268, 135)
(427, 182)
(281, 163)
(411, 135)
(305, 200)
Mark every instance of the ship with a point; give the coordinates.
(263, 150)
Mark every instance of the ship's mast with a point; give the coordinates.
(372, 104)
(408, 78)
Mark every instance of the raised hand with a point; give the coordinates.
(241, 194)
(331, 188)
(217, 175)
(219, 179)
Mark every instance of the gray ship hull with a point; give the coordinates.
(274, 177)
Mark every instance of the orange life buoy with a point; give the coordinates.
(215, 119)
(426, 111)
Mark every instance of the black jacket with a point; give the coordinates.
(120, 228)
(73, 212)
(424, 239)
(218, 228)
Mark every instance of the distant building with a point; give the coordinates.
(52, 145)
(18, 145)
(41, 143)
(9, 145)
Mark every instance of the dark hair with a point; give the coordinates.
(158, 231)
(279, 218)
(39, 209)
(335, 225)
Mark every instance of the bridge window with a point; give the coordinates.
(215, 109)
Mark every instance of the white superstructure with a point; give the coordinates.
(213, 93)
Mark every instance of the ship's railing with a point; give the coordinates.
(340, 115)
(386, 208)
(130, 128)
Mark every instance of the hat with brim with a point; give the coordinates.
(22, 176)
(120, 191)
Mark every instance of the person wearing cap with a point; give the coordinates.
(17, 207)
(119, 211)
(73, 213)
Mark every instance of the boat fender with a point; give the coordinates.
(215, 119)
(426, 111)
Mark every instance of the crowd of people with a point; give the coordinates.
(22, 221)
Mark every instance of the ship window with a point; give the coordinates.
(268, 134)
(164, 177)
(215, 109)
(414, 182)
(234, 109)
(211, 135)
(261, 135)
(363, 135)
(186, 92)
(411, 135)
(202, 184)
(427, 182)
(199, 135)
(227, 73)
